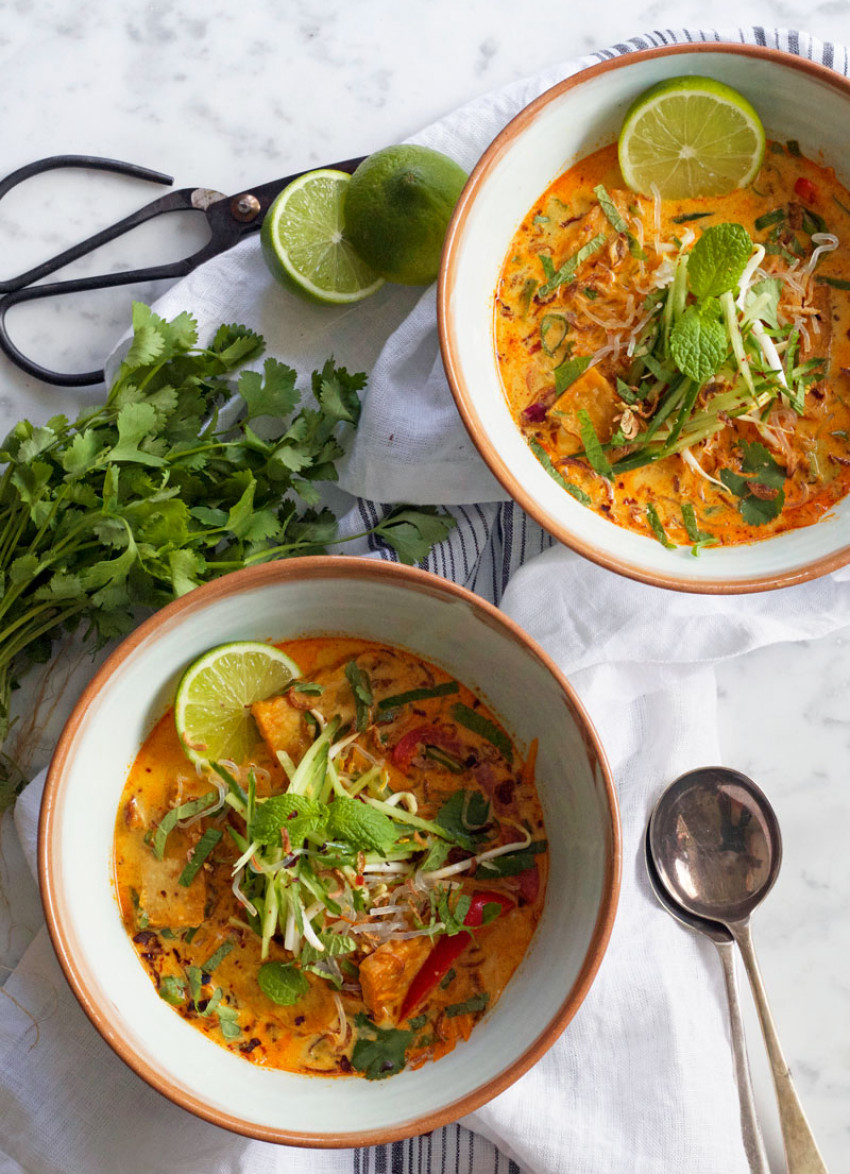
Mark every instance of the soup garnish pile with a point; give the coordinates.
(682, 366)
(353, 896)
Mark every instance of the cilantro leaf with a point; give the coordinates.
(718, 259)
(412, 530)
(272, 394)
(379, 1052)
(761, 493)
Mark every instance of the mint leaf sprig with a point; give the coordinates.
(150, 494)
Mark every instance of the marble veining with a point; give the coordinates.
(225, 96)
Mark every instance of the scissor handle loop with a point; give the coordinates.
(89, 162)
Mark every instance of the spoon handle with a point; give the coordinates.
(801, 1152)
(753, 1143)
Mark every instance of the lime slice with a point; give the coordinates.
(212, 710)
(304, 245)
(690, 136)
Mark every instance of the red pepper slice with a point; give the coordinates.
(529, 884)
(806, 190)
(438, 963)
(406, 746)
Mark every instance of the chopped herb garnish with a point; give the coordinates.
(794, 148)
(698, 537)
(592, 446)
(568, 270)
(448, 979)
(568, 372)
(311, 688)
(424, 694)
(470, 1007)
(361, 687)
(169, 821)
(610, 209)
(553, 331)
(813, 222)
(835, 282)
(201, 851)
(436, 754)
(171, 989)
(575, 490)
(540, 219)
(590, 293)
(769, 218)
(379, 1052)
(657, 528)
(478, 724)
(635, 249)
(218, 957)
(227, 1021)
(686, 217)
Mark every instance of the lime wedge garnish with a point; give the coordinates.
(690, 136)
(212, 710)
(304, 245)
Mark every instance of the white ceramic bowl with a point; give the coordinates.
(796, 100)
(377, 601)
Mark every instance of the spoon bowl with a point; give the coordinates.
(716, 843)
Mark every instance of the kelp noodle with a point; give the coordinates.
(683, 366)
(353, 897)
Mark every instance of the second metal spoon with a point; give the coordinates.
(716, 844)
(753, 1141)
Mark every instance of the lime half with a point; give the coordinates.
(304, 244)
(398, 207)
(212, 710)
(690, 136)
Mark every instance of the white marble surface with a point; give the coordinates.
(225, 96)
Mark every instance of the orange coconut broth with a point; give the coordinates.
(610, 312)
(406, 991)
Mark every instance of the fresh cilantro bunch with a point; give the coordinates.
(151, 494)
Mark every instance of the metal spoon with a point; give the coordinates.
(722, 938)
(716, 844)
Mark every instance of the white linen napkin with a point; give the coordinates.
(641, 1081)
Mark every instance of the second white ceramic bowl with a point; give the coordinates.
(389, 604)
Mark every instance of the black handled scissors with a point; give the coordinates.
(230, 218)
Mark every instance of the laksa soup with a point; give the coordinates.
(350, 893)
(681, 366)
